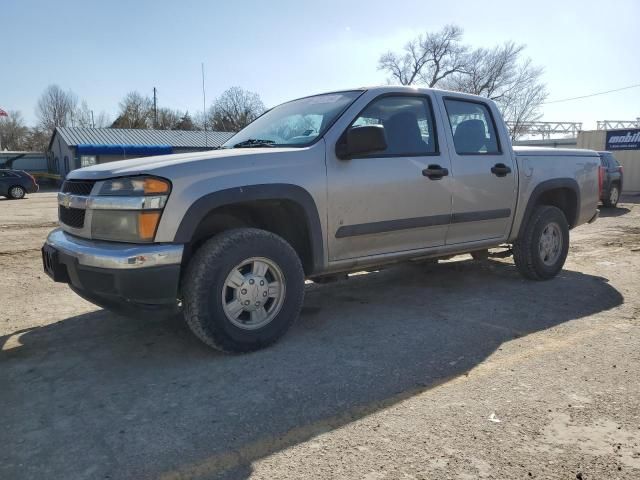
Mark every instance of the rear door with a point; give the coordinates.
(482, 170)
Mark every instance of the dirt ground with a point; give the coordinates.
(461, 370)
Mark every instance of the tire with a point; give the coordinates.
(533, 260)
(611, 201)
(16, 192)
(212, 295)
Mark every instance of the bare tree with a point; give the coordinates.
(37, 140)
(521, 104)
(101, 120)
(13, 132)
(500, 74)
(491, 73)
(168, 118)
(135, 112)
(82, 116)
(185, 123)
(427, 59)
(56, 108)
(233, 110)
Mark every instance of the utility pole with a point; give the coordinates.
(204, 109)
(155, 108)
(93, 123)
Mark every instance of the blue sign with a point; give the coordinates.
(623, 139)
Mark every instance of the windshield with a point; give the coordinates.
(295, 123)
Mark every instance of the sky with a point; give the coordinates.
(287, 49)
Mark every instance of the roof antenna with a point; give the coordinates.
(204, 109)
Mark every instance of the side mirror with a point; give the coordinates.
(362, 140)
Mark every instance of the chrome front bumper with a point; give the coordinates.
(113, 255)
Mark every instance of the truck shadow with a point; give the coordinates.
(141, 398)
(613, 212)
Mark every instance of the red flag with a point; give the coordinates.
(3, 113)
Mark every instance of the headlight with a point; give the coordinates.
(135, 186)
(128, 209)
(124, 225)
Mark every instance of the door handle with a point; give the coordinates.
(500, 170)
(435, 172)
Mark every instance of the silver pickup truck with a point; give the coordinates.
(315, 187)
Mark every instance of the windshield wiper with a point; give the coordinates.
(254, 142)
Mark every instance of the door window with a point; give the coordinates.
(407, 122)
(472, 127)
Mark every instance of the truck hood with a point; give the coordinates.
(163, 164)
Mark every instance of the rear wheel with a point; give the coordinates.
(16, 192)
(614, 196)
(542, 250)
(242, 290)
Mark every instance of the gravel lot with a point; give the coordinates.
(460, 370)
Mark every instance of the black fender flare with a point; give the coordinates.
(544, 187)
(271, 191)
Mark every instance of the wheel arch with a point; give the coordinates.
(241, 199)
(563, 193)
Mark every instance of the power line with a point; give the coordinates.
(592, 94)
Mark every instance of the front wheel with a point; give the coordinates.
(541, 251)
(16, 192)
(242, 290)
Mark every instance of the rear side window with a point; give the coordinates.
(473, 128)
(408, 124)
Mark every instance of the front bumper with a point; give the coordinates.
(118, 276)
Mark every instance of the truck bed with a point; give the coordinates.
(548, 151)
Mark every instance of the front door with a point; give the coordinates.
(484, 177)
(383, 203)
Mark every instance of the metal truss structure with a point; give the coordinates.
(618, 124)
(546, 129)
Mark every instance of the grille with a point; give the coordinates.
(74, 217)
(77, 187)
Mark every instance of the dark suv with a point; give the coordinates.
(611, 172)
(15, 184)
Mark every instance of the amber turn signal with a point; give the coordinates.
(147, 224)
(156, 185)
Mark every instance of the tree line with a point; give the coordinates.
(435, 59)
(230, 112)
